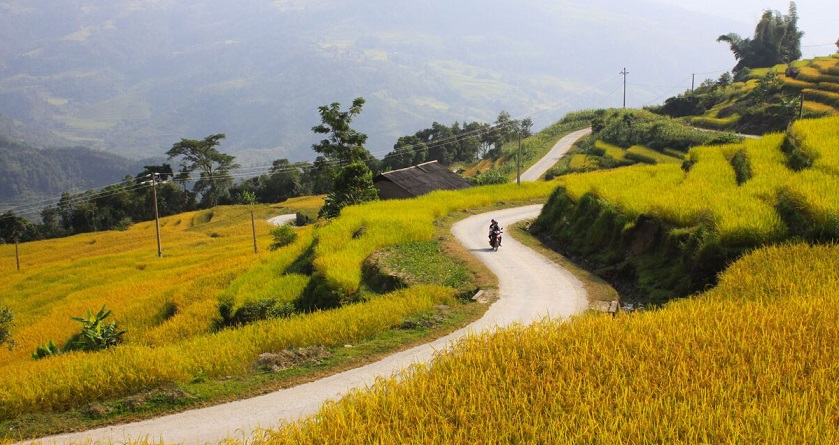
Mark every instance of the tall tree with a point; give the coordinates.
(214, 167)
(408, 151)
(284, 182)
(776, 40)
(12, 227)
(344, 146)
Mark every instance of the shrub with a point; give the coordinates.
(742, 169)
(95, 335)
(6, 323)
(491, 177)
(48, 349)
(283, 236)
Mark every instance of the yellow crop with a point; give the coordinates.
(817, 139)
(708, 193)
(752, 361)
(169, 306)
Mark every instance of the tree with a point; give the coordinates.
(65, 212)
(12, 227)
(285, 181)
(318, 177)
(353, 185)
(96, 335)
(408, 151)
(776, 40)
(344, 146)
(215, 180)
(51, 223)
(442, 143)
(505, 130)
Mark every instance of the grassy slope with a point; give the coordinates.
(817, 82)
(170, 307)
(750, 361)
(633, 359)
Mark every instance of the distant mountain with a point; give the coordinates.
(30, 177)
(132, 77)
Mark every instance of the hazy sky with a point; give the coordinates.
(817, 18)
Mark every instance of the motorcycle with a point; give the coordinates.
(495, 239)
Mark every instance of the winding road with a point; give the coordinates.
(557, 151)
(531, 287)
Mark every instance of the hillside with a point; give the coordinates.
(189, 314)
(667, 229)
(697, 205)
(767, 101)
(133, 77)
(28, 174)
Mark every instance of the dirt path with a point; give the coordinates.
(531, 287)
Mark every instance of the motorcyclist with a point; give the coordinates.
(494, 230)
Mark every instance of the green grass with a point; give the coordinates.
(423, 262)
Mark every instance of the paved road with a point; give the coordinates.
(283, 219)
(549, 160)
(531, 287)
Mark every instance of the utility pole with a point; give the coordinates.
(624, 72)
(253, 229)
(156, 214)
(801, 105)
(692, 80)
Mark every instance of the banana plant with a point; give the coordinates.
(96, 334)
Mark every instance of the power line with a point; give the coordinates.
(823, 44)
(251, 171)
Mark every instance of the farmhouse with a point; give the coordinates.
(417, 180)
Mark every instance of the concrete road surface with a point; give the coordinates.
(549, 160)
(531, 287)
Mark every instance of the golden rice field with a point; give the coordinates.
(610, 149)
(650, 156)
(817, 139)
(817, 79)
(751, 361)
(581, 162)
(169, 306)
(345, 242)
(709, 193)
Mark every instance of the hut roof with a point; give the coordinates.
(423, 178)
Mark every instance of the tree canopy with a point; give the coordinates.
(344, 146)
(776, 40)
(214, 181)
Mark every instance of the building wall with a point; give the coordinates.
(389, 190)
